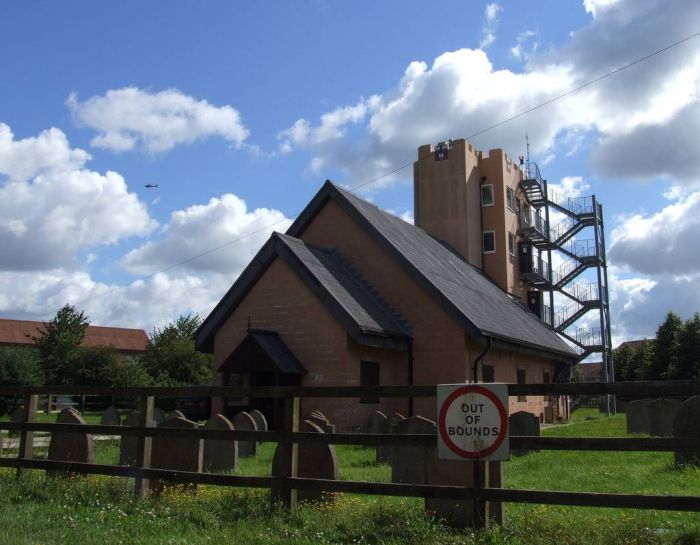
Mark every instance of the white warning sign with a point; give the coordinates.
(473, 422)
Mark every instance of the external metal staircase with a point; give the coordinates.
(538, 238)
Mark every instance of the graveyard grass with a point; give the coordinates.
(94, 509)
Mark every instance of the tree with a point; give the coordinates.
(58, 344)
(18, 367)
(688, 366)
(171, 358)
(664, 360)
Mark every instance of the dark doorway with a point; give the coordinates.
(262, 359)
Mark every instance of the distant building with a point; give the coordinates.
(352, 295)
(592, 372)
(125, 341)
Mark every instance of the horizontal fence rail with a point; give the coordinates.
(517, 442)
(674, 388)
(290, 482)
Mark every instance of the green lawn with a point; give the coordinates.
(87, 510)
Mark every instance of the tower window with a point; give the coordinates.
(510, 197)
(511, 244)
(489, 242)
(487, 195)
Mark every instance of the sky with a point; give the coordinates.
(238, 112)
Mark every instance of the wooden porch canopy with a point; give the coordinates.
(262, 351)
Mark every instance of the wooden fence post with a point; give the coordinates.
(143, 445)
(26, 438)
(481, 518)
(291, 464)
(496, 481)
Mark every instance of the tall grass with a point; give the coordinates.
(88, 510)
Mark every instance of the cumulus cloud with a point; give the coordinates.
(131, 118)
(52, 207)
(663, 242)
(143, 303)
(634, 122)
(199, 228)
(490, 25)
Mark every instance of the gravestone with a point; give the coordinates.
(260, 420)
(637, 416)
(158, 415)
(377, 422)
(127, 445)
(111, 417)
(408, 463)
(687, 425)
(661, 415)
(384, 452)
(523, 423)
(242, 421)
(70, 447)
(449, 472)
(219, 455)
(321, 421)
(316, 460)
(176, 453)
(17, 416)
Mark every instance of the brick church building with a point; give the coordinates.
(353, 295)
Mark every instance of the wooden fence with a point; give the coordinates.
(289, 482)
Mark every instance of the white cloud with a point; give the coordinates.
(663, 242)
(52, 207)
(639, 123)
(142, 303)
(596, 7)
(490, 24)
(128, 118)
(199, 228)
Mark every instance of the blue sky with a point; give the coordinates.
(240, 111)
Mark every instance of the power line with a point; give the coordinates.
(403, 166)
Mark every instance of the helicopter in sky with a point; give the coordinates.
(151, 185)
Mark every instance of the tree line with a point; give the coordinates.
(59, 358)
(674, 353)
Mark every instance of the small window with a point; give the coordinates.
(487, 373)
(487, 195)
(511, 243)
(546, 378)
(510, 197)
(369, 376)
(521, 379)
(489, 242)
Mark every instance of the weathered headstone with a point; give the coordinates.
(158, 415)
(242, 421)
(316, 460)
(408, 463)
(176, 453)
(638, 416)
(321, 421)
(70, 447)
(17, 416)
(523, 423)
(449, 472)
(111, 417)
(219, 455)
(260, 420)
(687, 425)
(384, 452)
(127, 445)
(377, 422)
(661, 415)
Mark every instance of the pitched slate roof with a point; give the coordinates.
(366, 318)
(20, 333)
(474, 300)
(263, 351)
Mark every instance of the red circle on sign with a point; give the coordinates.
(501, 412)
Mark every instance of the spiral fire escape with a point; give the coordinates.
(581, 294)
